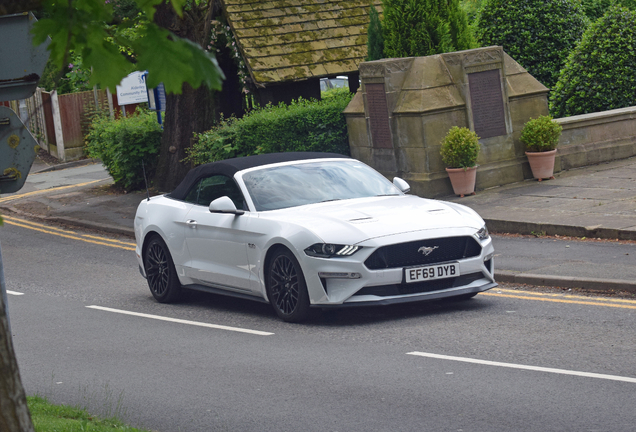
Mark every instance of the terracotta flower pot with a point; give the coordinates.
(542, 164)
(463, 180)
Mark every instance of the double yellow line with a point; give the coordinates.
(562, 298)
(37, 192)
(87, 238)
(98, 240)
(498, 292)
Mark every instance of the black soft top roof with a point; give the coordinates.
(229, 167)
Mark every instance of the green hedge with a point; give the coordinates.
(304, 125)
(375, 40)
(123, 144)
(424, 27)
(600, 74)
(594, 9)
(539, 34)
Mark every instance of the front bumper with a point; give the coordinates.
(412, 298)
(387, 286)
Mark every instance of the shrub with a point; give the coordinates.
(424, 27)
(594, 9)
(539, 34)
(460, 148)
(337, 92)
(375, 41)
(305, 125)
(123, 144)
(541, 134)
(600, 74)
(472, 8)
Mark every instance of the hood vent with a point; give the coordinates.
(362, 220)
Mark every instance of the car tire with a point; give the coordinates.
(160, 272)
(286, 287)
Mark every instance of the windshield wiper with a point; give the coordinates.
(329, 200)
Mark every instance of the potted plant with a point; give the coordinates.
(541, 136)
(459, 152)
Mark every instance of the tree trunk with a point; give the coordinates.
(191, 111)
(194, 109)
(14, 412)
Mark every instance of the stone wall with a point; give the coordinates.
(405, 107)
(590, 139)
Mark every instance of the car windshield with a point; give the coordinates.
(314, 182)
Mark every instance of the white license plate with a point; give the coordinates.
(426, 273)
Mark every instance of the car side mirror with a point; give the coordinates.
(401, 184)
(224, 205)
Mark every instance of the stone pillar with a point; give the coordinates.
(405, 107)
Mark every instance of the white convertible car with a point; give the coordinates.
(303, 230)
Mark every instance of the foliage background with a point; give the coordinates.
(123, 144)
(539, 34)
(424, 27)
(305, 125)
(594, 9)
(600, 74)
(375, 39)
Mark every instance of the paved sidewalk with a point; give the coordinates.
(595, 202)
(592, 202)
(76, 194)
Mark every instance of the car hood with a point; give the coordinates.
(356, 220)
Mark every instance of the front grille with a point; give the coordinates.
(406, 254)
(420, 287)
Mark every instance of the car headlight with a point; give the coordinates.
(482, 234)
(328, 250)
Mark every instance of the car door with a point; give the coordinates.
(217, 242)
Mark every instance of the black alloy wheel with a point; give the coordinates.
(286, 287)
(160, 272)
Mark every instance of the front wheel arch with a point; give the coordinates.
(149, 236)
(280, 262)
(162, 277)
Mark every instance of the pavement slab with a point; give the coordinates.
(597, 201)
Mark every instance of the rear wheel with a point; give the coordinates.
(160, 272)
(286, 287)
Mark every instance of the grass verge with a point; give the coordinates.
(61, 418)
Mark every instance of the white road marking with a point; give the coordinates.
(525, 367)
(180, 321)
(14, 293)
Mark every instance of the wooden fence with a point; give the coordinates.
(60, 122)
(72, 114)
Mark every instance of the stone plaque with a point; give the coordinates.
(378, 116)
(486, 103)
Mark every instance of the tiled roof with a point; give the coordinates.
(288, 40)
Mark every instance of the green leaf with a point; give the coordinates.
(109, 67)
(80, 27)
(173, 61)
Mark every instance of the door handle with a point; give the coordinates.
(191, 223)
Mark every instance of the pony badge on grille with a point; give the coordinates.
(427, 250)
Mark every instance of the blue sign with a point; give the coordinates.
(157, 99)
